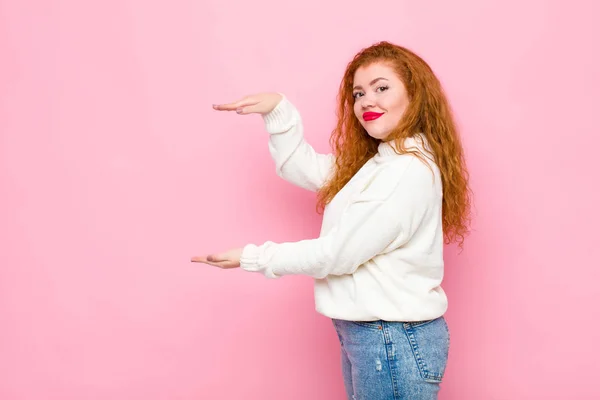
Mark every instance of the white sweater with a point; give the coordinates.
(379, 254)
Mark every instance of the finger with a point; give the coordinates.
(222, 264)
(203, 260)
(247, 101)
(214, 258)
(211, 259)
(206, 259)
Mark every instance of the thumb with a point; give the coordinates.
(216, 257)
(251, 109)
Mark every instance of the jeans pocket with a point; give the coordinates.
(430, 343)
(369, 324)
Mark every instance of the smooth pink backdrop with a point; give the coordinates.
(114, 170)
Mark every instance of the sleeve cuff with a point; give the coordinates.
(252, 260)
(282, 118)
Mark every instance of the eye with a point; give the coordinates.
(382, 88)
(356, 95)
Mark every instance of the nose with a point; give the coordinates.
(367, 101)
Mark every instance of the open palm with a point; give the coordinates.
(227, 260)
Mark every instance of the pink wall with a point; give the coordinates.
(114, 170)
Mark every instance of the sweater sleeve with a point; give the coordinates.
(295, 160)
(379, 219)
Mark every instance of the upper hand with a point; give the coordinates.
(227, 260)
(262, 103)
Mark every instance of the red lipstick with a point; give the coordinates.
(371, 116)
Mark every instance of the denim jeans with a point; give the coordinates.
(393, 360)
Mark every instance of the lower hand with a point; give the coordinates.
(227, 260)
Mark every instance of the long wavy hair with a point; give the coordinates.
(428, 114)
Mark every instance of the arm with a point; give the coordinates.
(295, 160)
(382, 217)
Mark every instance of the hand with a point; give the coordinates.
(229, 259)
(262, 103)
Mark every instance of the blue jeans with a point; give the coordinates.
(393, 360)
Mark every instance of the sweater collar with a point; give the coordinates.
(417, 142)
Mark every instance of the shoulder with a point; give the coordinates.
(414, 161)
(402, 175)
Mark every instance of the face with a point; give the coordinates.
(380, 99)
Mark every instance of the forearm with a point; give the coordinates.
(296, 161)
(351, 243)
(380, 218)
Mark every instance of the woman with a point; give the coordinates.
(394, 191)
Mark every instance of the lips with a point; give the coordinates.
(371, 116)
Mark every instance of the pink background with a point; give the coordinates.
(114, 171)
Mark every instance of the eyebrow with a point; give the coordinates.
(374, 81)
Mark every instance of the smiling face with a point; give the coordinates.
(380, 99)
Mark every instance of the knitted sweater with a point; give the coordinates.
(380, 251)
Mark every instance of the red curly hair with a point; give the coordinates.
(428, 114)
